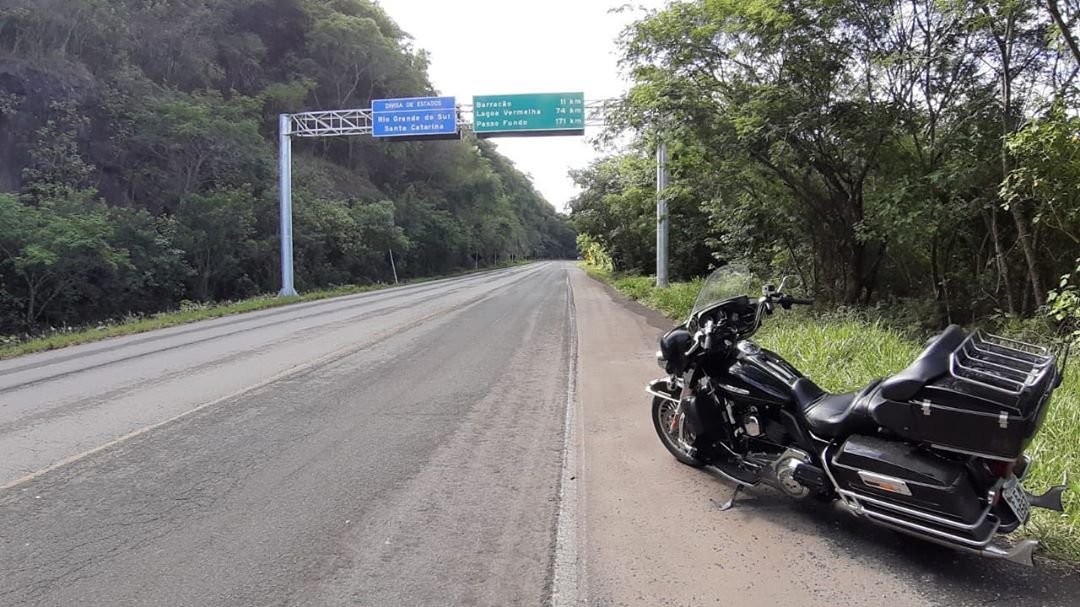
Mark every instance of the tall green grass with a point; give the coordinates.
(844, 352)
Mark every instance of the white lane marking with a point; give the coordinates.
(327, 358)
(568, 586)
(116, 441)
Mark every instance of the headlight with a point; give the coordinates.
(660, 360)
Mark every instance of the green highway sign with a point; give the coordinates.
(530, 114)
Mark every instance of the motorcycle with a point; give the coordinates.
(935, 451)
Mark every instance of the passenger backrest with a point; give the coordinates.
(931, 364)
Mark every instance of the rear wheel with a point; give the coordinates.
(673, 430)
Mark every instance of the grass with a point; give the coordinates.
(189, 312)
(844, 352)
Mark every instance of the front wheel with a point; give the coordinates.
(672, 428)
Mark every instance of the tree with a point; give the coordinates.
(862, 144)
(215, 230)
(145, 133)
(56, 249)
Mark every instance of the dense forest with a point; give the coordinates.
(924, 153)
(138, 164)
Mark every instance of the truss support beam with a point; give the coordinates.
(346, 123)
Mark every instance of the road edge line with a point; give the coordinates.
(568, 584)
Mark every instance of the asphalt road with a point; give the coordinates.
(392, 448)
(482, 440)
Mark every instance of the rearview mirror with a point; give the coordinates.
(789, 282)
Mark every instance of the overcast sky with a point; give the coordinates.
(490, 47)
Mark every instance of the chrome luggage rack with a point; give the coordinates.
(1006, 366)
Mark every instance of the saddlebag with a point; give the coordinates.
(989, 399)
(898, 473)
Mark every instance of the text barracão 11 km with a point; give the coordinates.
(529, 113)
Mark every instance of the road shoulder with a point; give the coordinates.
(655, 535)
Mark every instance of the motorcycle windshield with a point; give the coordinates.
(728, 282)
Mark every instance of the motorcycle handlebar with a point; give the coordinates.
(786, 301)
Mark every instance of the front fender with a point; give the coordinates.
(663, 388)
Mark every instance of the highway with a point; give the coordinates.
(481, 440)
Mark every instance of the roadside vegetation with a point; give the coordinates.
(189, 312)
(138, 169)
(919, 154)
(915, 163)
(843, 351)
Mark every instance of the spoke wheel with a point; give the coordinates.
(674, 432)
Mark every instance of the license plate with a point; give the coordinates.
(1016, 499)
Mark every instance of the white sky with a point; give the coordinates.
(491, 47)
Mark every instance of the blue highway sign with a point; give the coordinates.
(417, 117)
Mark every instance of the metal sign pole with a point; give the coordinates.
(285, 162)
(661, 215)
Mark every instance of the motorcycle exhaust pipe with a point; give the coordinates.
(1021, 552)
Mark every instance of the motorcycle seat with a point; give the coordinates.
(930, 365)
(833, 415)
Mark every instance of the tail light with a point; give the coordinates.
(1001, 469)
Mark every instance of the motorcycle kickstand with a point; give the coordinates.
(731, 501)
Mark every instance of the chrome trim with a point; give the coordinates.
(992, 493)
(752, 426)
(748, 347)
(1027, 466)
(975, 453)
(687, 448)
(1043, 351)
(651, 389)
(897, 522)
(917, 513)
(733, 389)
(1031, 361)
(856, 506)
(1003, 419)
(661, 394)
(803, 456)
(882, 481)
(926, 407)
(788, 462)
(1020, 553)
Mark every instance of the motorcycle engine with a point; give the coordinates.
(751, 425)
(784, 473)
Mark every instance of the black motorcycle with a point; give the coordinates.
(935, 451)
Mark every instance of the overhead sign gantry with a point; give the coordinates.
(428, 118)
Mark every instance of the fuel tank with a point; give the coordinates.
(758, 376)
